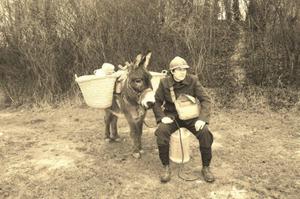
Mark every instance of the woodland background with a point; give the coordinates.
(246, 52)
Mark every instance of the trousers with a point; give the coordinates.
(204, 136)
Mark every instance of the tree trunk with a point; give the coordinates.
(228, 10)
(236, 10)
(238, 72)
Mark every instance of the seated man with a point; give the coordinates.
(168, 119)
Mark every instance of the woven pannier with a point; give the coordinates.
(97, 91)
(156, 77)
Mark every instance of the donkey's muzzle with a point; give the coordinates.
(147, 98)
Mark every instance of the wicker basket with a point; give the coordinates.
(97, 91)
(156, 77)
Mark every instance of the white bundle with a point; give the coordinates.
(106, 69)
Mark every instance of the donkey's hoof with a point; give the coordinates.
(107, 140)
(142, 151)
(136, 155)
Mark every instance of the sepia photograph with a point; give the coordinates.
(149, 99)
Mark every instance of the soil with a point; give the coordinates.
(60, 153)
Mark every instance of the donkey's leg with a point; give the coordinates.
(135, 140)
(107, 120)
(139, 136)
(114, 129)
(113, 119)
(128, 112)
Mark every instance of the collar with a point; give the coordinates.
(187, 80)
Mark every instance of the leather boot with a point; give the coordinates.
(207, 174)
(166, 174)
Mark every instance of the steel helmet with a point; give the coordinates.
(178, 62)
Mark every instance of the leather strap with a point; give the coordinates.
(173, 96)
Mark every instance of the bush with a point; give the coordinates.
(44, 43)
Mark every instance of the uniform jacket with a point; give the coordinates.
(164, 105)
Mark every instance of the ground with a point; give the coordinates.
(61, 153)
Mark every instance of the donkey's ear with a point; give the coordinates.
(127, 64)
(147, 59)
(138, 59)
(122, 67)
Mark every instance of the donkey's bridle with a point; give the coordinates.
(132, 89)
(133, 93)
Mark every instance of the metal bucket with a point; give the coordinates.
(180, 154)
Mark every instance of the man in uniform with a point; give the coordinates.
(168, 120)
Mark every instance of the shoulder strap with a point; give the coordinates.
(172, 94)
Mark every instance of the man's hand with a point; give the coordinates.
(166, 120)
(199, 125)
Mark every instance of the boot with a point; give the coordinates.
(207, 174)
(166, 174)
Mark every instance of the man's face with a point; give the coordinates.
(179, 74)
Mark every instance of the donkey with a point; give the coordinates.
(133, 100)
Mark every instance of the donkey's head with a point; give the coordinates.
(138, 76)
(139, 81)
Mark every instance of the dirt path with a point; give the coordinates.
(60, 153)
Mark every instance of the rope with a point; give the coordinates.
(182, 159)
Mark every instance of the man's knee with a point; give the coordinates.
(205, 137)
(163, 134)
